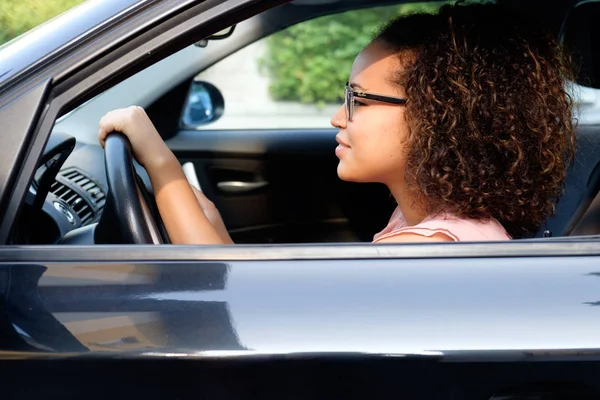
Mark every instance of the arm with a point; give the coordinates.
(213, 215)
(179, 207)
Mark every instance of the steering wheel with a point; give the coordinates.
(130, 215)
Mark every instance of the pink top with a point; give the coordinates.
(458, 229)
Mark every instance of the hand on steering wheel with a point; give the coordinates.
(127, 217)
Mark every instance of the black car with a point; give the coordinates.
(95, 302)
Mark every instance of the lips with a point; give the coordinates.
(341, 148)
(341, 142)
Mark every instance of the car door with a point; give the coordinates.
(464, 320)
(341, 319)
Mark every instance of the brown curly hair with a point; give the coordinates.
(490, 116)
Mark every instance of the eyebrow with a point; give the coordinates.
(356, 86)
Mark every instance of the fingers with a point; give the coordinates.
(118, 120)
(106, 126)
(146, 143)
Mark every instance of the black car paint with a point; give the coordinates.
(401, 306)
(305, 376)
(416, 298)
(353, 325)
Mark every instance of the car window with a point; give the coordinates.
(293, 79)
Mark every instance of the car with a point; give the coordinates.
(95, 301)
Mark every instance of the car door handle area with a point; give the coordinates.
(240, 186)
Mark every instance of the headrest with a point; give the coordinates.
(580, 34)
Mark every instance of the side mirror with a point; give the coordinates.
(204, 105)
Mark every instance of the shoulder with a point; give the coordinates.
(446, 227)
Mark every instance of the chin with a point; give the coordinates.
(346, 174)
(357, 175)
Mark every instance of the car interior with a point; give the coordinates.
(270, 185)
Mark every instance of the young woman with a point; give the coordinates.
(464, 115)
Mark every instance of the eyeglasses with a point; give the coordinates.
(350, 94)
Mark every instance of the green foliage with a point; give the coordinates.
(310, 62)
(19, 16)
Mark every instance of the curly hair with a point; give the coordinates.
(489, 112)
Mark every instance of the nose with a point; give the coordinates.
(339, 118)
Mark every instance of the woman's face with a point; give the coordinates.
(372, 145)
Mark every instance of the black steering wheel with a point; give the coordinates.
(130, 215)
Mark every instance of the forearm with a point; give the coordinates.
(213, 215)
(179, 209)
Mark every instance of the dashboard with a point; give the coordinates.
(67, 194)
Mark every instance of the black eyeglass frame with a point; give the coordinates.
(350, 93)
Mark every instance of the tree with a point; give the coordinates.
(19, 16)
(310, 61)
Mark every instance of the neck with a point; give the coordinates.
(412, 213)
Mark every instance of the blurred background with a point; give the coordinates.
(19, 16)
